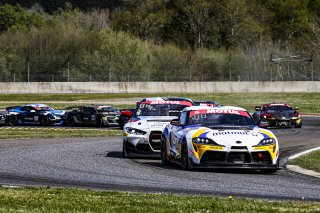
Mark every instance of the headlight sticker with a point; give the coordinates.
(199, 132)
(266, 134)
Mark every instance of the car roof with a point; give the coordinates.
(193, 108)
(204, 101)
(101, 106)
(36, 105)
(166, 99)
(275, 104)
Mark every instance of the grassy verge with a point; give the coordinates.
(8, 133)
(307, 102)
(71, 200)
(309, 161)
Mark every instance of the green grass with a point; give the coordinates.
(13, 133)
(307, 102)
(309, 161)
(72, 200)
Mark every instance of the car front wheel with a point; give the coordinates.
(124, 150)
(70, 121)
(99, 122)
(12, 120)
(164, 159)
(44, 121)
(185, 162)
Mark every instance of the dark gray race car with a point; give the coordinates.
(93, 115)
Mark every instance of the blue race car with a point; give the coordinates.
(34, 114)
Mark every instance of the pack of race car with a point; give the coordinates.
(192, 134)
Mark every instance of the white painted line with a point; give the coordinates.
(310, 115)
(10, 186)
(303, 153)
(300, 170)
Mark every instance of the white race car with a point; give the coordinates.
(219, 137)
(142, 134)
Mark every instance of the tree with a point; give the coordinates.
(193, 23)
(144, 19)
(16, 17)
(290, 20)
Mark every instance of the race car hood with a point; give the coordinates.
(111, 113)
(55, 112)
(229, 138)
(286, 114)
(150, 122)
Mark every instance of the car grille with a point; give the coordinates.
(239, 157)
(236, 157)
(239, 148)
(213, 157)
(155, 139)
(140, 148)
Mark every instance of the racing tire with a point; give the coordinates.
(70, 121)
(125, 150)
(164, 159)
(12, 120)
(121, 124)
(268, 171)
(271, 171)
(44, 121)
(185, 162)
(99, 122)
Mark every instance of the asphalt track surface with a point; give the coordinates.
(96, 163)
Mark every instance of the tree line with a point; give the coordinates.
(156, 40)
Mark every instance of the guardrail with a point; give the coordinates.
(158, 87)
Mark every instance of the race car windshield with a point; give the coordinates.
(160, 109)
(44, 108)
(221, 120)
(278, 108)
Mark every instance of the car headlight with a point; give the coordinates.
(135, 131)
(266, 142)
(205, 141)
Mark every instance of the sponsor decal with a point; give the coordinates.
(276, 104)
(235, 133)
(158, 124)
(219, 111)
(187, 103)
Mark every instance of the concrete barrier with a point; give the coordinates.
(159, 87)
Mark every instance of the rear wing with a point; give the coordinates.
(11, 107)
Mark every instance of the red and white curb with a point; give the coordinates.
(298, 169)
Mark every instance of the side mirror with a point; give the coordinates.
(296, 108)
(257, 108)
(175, 122)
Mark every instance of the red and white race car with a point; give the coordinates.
(142, 134)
